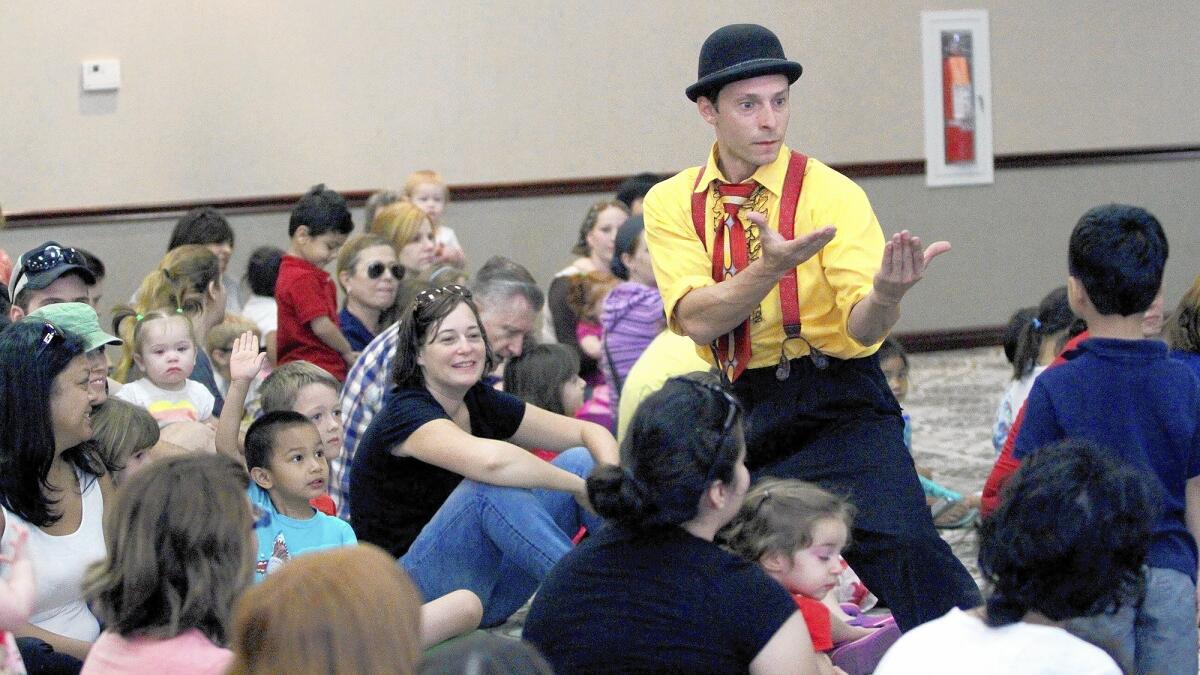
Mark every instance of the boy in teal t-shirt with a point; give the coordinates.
(287, 464)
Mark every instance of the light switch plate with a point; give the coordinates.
(101, 75)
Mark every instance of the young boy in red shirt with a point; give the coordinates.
(308, 324)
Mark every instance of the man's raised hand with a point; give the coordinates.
(904, 264)
(780, 255)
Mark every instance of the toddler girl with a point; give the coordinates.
(427, 191)
(586, 297)
(546, 376)
(796, 532)
(164, 350)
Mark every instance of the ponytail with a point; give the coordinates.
(1053, 318)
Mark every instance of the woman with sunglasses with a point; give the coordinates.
(651, 592)
(53, 484)
(369, 272)
(500, 531)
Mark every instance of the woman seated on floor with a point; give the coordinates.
(498, 533)
(651, 592)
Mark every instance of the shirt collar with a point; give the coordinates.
(769, 176)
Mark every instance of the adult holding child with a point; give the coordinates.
(651, 592)
(776, 267)
(52, 484)
(498, 533)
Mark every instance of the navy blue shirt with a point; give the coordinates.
(356, 333)
(1127, 396)
(664, 601)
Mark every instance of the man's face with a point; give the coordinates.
(750, 120)
(67, 288)
(507, 326)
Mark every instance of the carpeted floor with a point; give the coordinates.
(952, 400)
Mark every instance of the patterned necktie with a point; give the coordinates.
(733, 349)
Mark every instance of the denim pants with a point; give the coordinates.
(840, 427)
(1158, 636)
(498, 542)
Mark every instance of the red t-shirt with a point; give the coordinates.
(305, 292)
(816, 617)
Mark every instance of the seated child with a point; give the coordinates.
(796, 532)
(164, 350)
(1039, 340)
(546, 376)
(261, 308)
(948, 508)
(178, 557)
(427, 191)
(1184, 329)
(288, 468)
(305, 293)
(1068, 541)
(126, 433)
(220, 347)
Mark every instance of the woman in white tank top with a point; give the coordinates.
(51, 481)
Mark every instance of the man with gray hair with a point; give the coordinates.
(509, 302)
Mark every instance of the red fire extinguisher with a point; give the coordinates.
(958, 98)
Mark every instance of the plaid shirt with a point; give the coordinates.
(362, 397)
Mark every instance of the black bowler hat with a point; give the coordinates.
(739, 52)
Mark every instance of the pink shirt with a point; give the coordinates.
(188, 652)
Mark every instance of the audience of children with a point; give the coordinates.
(187, 278)
(53, 484)
(1123, 392)
(796, 532)
(305, 293)
(162, 346)
(178, 558)
(369, 274)
(1068, 541)
(209, 228)
(1038, 341)
(427, 191)
(260, 307)
(651, 592)
(633, 310)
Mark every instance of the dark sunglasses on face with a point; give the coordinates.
(376, 270)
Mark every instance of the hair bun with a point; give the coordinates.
(618, 495)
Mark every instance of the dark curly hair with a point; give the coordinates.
(1069, 537)
(676, 446)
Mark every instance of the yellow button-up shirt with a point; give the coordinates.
(829, 283)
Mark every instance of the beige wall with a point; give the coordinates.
(226, 98)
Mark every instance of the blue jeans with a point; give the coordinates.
(498, 542)
(1158, 636)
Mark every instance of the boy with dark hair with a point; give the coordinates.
(261, 308)
(1121, 391)
(308, 322)
(286, 459)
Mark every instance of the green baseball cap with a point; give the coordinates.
(78, 318)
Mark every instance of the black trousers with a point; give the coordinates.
(841, 428)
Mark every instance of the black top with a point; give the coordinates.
(663, 601)
(391, 497)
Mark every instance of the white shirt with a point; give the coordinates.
(193, 403)
(264, 312)
(962, 643)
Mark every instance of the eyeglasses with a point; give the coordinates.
(376, 270)
(50, 333)
(734, 406)
(429, 295)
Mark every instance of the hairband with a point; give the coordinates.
(140, 316)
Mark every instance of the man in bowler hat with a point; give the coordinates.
(776, 267)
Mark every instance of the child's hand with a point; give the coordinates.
(19, 539)
(245, 360)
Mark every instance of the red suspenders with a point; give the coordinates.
(789, 300)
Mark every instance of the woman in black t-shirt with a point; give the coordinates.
(499, 532)
(651, 592)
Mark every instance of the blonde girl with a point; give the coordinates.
(126, 433)
(162, 345)
(411, 230)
